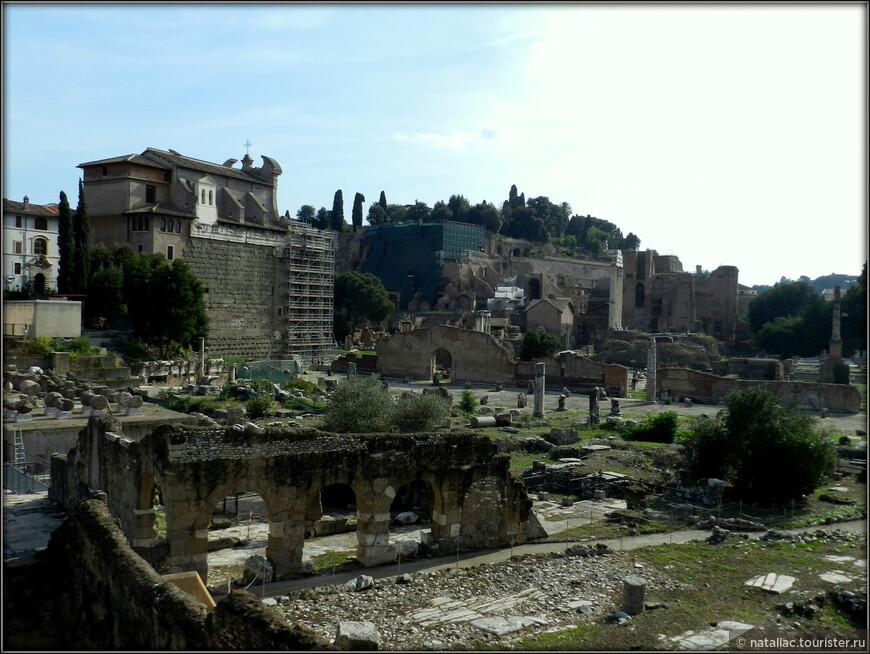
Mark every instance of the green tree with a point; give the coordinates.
(419, 211)
(485, 215)
(383, 201)
(631, 242)
(323, 219)
(306, 214)
(377, 214)
(441, 212)
(853, 315)
(538, 344)
(359, 405)
(336, 218)
(553, 216)
(767, 450)
(459, 207)
(358, 297)
(66, 247)
(356, 214)
(419, 413)
(794, 307)
(186, 317)
(81, 251)
(106, 301)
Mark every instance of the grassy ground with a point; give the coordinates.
(712, 578)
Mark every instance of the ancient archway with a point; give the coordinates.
(442, 362)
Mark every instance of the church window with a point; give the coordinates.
(141, 248)
(19, 221)
(40, 223)
(178, 227)
(40, 246)
(150, 194)
(203, 197)
(170, 253)
(163, 224)
(17, 269)
(211, 197)
(18, 247)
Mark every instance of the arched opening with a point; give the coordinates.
(238, 528)
(411, 518)
(534, 289)
(442, 363)
(330, 527)
(39, 284)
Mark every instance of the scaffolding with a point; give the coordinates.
(310, 283)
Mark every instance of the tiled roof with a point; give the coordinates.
(204, 166)
(10, 206)
(128, 158)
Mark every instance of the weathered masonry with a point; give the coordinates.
(476, 503)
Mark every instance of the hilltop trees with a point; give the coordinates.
(81, 249)
(356, 216)
(854, 315)
(336, 218)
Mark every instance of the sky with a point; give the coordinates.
(723, 134)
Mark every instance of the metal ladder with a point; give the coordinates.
(19, 455)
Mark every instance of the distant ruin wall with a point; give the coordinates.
(89, 590)
(710, 389)
(577, 371)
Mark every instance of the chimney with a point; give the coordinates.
(26, 201)
(698, 270)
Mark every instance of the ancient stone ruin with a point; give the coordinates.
(476, 504)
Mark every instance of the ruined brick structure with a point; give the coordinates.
(90, 591)
(660, 297)
(476, 502)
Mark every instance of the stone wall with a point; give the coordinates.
(769, 369)
(711, 389)
(244, 285)
(89, 590)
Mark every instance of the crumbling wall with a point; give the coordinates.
(89, 590)
(707, 388)
(475, 356)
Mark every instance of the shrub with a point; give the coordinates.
(359, 405)
(261, 406)
(38, 346)
(655, 428)
(419, 413)
(766, 449)
(840, 373)
(302, 384)
(538, 344)
(468, 403)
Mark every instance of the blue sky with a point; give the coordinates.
(722, 134)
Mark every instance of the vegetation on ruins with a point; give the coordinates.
(765, 449)
(358, 297)
(260, 406)
(360, 405)
(654, 428)
(538, 344)
(336, 218)
(467, 402)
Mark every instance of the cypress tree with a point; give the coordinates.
(81, 252)
(357, 215)
(66, 247)
(337, 211)
(383, 201)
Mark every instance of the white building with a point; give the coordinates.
(30, 246)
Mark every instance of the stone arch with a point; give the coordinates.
(484, 492)
(442, 357)
(333, 500)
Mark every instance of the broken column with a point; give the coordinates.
(351, 369)
(593, 407)
(539, 390)
(633, 594)
(651, 372)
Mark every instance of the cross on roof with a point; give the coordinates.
(247, 145)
